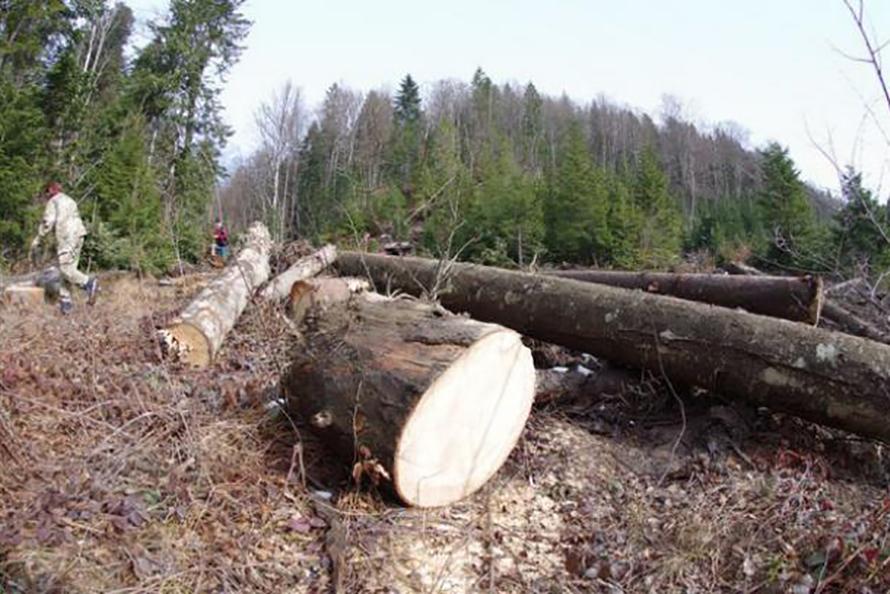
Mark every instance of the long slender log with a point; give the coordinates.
(827, 377)
(851, 323)
(303, 269)
(196, 336)
(848, 321)
(426, 402)
(792, 298)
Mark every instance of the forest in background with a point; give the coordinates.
(494, 173)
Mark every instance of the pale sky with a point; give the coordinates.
(770, 65)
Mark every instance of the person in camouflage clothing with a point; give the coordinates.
(61, 214)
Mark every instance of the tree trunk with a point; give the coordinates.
(304, 268)
(792, 298)
(848, 321)
(197, 335)
(421, 400)
(851, 323)
(827, 377)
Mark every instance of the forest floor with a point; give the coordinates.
(125, 473)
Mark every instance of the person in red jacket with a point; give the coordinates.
(221, 240)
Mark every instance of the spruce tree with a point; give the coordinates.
(661, 233)
(861, 234)
(785, 209)
(576, 205)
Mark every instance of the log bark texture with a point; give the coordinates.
(196, 336)
(827, 377)
(303, 269)
(792, 298)
(848, 321)
(413, 397)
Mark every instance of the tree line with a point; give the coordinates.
(503, 174)
(134, 134)
(495, 173)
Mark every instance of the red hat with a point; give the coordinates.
(53, 188)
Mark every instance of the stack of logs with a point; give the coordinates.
(430, 403)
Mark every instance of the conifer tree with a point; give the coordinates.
(862, 226)
(785, 209)
(661, 232)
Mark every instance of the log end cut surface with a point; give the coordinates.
(189, 344)
(466, 423)
(23, 296)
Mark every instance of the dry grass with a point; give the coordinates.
(123, 473)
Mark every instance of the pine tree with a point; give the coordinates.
(576, 205)
(862, 226)
(785, 209)
(661, 233)
(407, 103)
(406, 142)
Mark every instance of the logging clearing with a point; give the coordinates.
(341, 416)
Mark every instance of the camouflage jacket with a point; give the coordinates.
(62, 215)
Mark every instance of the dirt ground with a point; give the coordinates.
(125, 473)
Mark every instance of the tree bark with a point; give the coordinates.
(848, 321)
(421, 400)
(792, 298)
(851, 323)
(304, 268)
(827, 377)
(196, 336)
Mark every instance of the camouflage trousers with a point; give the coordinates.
(69, 256)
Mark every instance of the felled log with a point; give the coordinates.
(304, 268)
(196, 336)
(792, 298)
(322, 293)
(851, 323)
(415, 398)
(827, 377)
(845, 319)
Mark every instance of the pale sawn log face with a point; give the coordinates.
(303, 269)
(437, 400)
(196, 336)
(827, 377)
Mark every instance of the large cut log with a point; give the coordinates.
(413, 397)
(196, 336)
(791, 298)
(827, 377)
(303, 269)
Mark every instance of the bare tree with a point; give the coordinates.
(281, 123)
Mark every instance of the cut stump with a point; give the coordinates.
(424, 401)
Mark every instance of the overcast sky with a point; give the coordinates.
(770, 65)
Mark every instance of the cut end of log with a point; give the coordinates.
(818, 288)
(187, 344)
(467, 422)
(23, 296)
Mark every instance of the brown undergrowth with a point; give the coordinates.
(124, 473)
